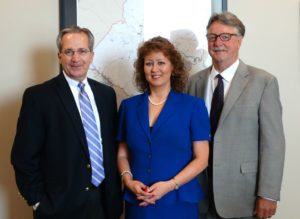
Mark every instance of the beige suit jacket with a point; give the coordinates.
(249, 144)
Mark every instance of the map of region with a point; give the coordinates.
(120, 26)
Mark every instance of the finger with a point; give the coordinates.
(150, 189)
(143, 197)
(150, 201)
(147, 198)
(143, 204)
(140, 191)
(144, 194)
(145, 188)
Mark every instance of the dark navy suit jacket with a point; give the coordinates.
(50, 153)
(158, 155)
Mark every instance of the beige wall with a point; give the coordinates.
(28, 56)
(272, 42)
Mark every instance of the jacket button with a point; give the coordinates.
(88, 166)
(87, 188)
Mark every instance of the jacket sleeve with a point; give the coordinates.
(271, 142)
(26, 150)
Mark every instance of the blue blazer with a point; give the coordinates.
(161, 153)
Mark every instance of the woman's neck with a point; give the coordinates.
(159, 93)
(158, 97)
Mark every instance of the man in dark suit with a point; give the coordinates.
(53, 162)
(247, 147)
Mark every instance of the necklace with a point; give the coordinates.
(156, 104)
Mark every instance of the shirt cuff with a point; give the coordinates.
(35, 206)
(270, 199)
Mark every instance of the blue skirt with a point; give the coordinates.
(179, 210)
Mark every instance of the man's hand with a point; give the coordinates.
(265, 208)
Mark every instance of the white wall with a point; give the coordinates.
(27, 56)
(272, 42)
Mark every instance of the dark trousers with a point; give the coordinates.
(93, 209)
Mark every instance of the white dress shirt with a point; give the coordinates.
(75, 91)
(212, 82)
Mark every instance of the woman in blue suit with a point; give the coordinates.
(163, 138)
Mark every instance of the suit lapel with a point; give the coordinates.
(142, 112)
(202, 83)
(99, 102)
(65, 93)
(101, 106)
(166, 112)
(238, 84)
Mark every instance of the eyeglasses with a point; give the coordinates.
(223, 36)
(80, 52)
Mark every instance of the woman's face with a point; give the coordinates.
(158, 69)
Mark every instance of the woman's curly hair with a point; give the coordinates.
(179, 75)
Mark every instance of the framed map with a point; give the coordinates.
(119, 26)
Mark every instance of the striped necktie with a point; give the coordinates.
(92, 136)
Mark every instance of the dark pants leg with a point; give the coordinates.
(94, 208)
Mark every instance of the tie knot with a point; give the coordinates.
(219, 77)
(81, 86)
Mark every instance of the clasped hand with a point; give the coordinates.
(149, 195)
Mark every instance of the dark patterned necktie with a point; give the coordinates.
(216, 105)
(215, 112)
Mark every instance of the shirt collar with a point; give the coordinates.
(228, 73)
(73, 82)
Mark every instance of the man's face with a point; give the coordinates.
(75, 56)
(223, 50)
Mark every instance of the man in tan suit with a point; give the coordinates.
(244, 176)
